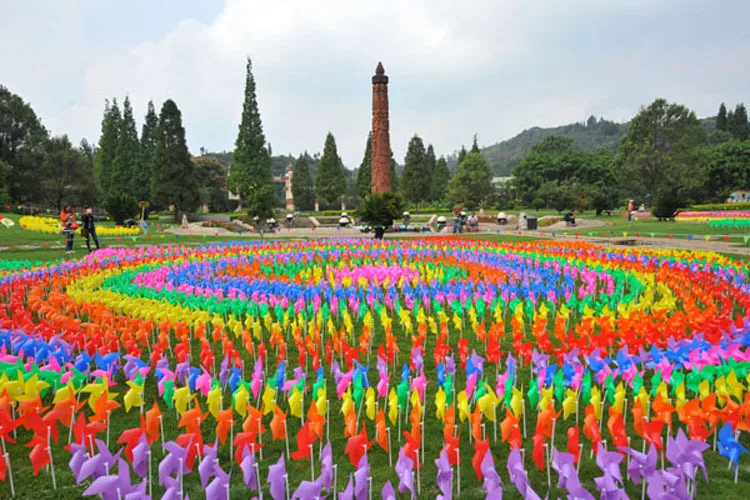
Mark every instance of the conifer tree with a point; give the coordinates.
(721, 118)
(415, 181)
(105, 157)
(330, 183)
(145, 167)
(302, 185)
(126, 154)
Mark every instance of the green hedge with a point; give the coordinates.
(710, 207)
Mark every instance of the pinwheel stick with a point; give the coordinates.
(546, 464)
(369, 480)
(312, 462)
(335, 480)
(161, 428)
(6, 457)
(390, 454)
(286, 438)
(458, 471)
(108, 414)
(150, 476)
(260, 438)
(257, 477)
(286, 483)
(494, 420)
(552, 444)
(580, 457)
(524, 417)
(52, 463)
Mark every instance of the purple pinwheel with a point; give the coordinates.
(609, 462)
(687, 454)
(307, 489)
(112, 487)
(417, 360)
(641, 465)
(277, 479)
(445, 475)
(477, 361)
(224, 371)
(519, 477)
(405, 473)
(140, 456)
(667, 484)
(207, 467)
(361, 476)
(492, 482)
(247, 466)
(348, 493)
(609, 488)
(172, 462)
(387, 493)
(218, 489)
(78, 458)
(172, 489)
(97, 465)
(564, 465)
(326, 472)
(450, 365)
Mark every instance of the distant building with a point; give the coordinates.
(500, 181)
(739, 196)
(283, 184)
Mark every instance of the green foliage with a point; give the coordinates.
(440, 178)
(721, 119)
(381, 209)
(472, 183)
(658, 154)
(738, 125)
(667, 203)
(6, 170)
(461, 155)
(415, 179)
(395, 178)
(474, 145)
(722, 207)
(330, 183)
(144, 171)
(212, 181)
(22, 138)
(105, 157)
(262, 202)
(364, 173)
(175, 182)
(302, 185)
(727, 168)
(66, 174)
(251, 163)
(126, 153)
(121, 206)
(538, 203)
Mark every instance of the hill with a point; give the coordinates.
(591, 135)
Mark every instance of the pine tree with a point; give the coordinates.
(739, 126)
(250, 172)
(461, 155)
(105, 157)
(415, 178)
(174, 176)
(721, 118)
(330, 183)
(302, 185)
(364, 174)
(440, 179)
(472, 183)
(395, 179)
(126, 154)
(145, 167)
(474, 145)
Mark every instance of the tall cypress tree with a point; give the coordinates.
(430, 163)
(364, 174)
(461, 155)
(439, 185)
(145, 167)
(250, 172)
(302, 185)
(105, 157)
(126, 154)
(721, 118)
(395, 179)
(330, 183)
(174, 176)
(474, 145)
(739, 126)
(415, 179)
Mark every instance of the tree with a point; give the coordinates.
(302, 185)
(415, 179)
(474, 145)
(144, 171)
(250, 171)
(22, 139)
(330, 183)
(738, 125)
(721, 118)
(440, 179)
(658, 155)
(108, 142)
(430, 166)
(212, 183)
(175, 181)
(461, 155)
(472, 182)
(121, 206)
(727, 169)
(364, 173)
(395, 179)
(379, 210)
(5, 172)
(126, 153)
(66, 176)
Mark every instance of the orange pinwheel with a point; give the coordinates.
(545, 420)
(573, 445)
(510, 431)
(153, 418)
(662, 410)
(278, 427)
(451, 449)
(539, 454)
(305, 438)
(316, 420)
(480, 448)
(357, 446)
(223, 424)
(591, 427)
(191, 420)
(350, 423)
(245, 440)
(254, 421)
(476, 424)
(638, 417)
(616, 428)
(104, 408)
(449, 427)
(652, 433)
(381, 430)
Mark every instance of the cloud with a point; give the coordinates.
(486, 67)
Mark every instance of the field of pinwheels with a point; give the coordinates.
(354, 369)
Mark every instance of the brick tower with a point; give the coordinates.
(381, 142)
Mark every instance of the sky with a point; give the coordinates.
(486, 67)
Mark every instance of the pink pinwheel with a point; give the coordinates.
(419, 384)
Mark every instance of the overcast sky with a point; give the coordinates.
(490, 67)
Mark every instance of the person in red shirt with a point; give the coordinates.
(68, 219)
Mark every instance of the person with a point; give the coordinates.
(407, 218)
(630, 210)
(473, 222)
(88, 230)
(441, 222)
(463, 222)
(502, 218)
(68, 219)
(570, 218)
(457, 217)
(289, 221)
(344, 220)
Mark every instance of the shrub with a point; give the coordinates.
(121, 206)
(720, 207)
(538, 203)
